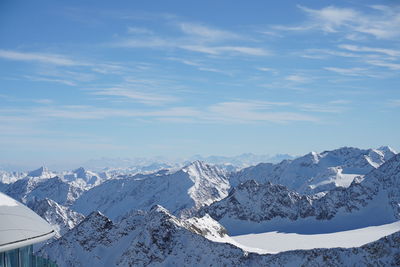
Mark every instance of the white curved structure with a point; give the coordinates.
(20, 226)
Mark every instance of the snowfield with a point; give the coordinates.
(276, 242)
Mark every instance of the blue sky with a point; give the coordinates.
(87, 79)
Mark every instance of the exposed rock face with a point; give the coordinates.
(255, 202)
(260, 202)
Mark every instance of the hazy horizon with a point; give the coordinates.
(105, 162)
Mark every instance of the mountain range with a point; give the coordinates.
(208, 214)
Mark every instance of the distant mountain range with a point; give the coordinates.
(198, 213)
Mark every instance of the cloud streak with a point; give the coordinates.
(197, 38)
(206, 33)
(233, 112)
(141, 97)
(355, 48)
(381, 22)
(53, 59)
(348, 71)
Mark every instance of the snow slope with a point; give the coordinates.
(181, 191)
(60, 217)
(275, 242)
(317, 172)
(31, 189)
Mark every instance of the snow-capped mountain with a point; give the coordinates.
(31, 189)
(180, 191)
(42, 172)
(243, 160)
(317, 172)
(157, 238)
(85, 178)
(131, 165)
(10, 177)
(60, 217)
(267, 207)
(79, 177)
(140, 165)
(141, 239)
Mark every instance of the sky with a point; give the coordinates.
(89, 79)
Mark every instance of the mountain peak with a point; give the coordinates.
(97, 220)
(387, 149)
(248, 183)
(38, 172)
(80, 173)
(389, 171)
(159, 209)
(198, 164)
(79, 170)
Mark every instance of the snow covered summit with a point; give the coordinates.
(42, 172)
(181, 191)
(317, 172)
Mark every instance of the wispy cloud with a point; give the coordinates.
(318, 53)
(266, 69)
(386, 51)
(381, 63)
(207, 33)
(185, 61)
(233, 112)
(61, 68)
(43, 79)
(255, 111)
(43, 101)
(218, 50)
(348, 71)
(196, 37)
(381, 23)
(138, 96)
(297, 78)
(139, 30)
(198, 65)
(148, 42)
(40, 57)
(161, 43)
(340, 102)
(330, 18)
(326, 108)
(14, 99)
(270, 33)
